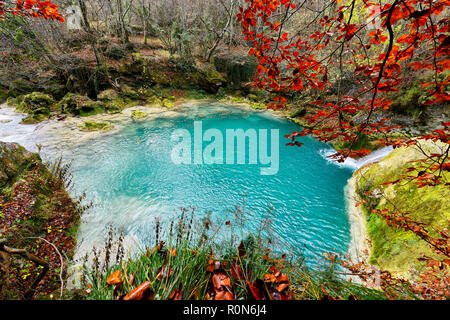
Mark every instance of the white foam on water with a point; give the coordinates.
(354, 164)
(11, 130)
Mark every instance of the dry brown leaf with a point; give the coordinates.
(176, 295)
(219, 279)
(140, 292)
(224, 295)
(164, 272)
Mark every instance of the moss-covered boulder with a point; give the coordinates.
(138, 114)
(96, 126)
(238, 68)
(13, 160)
(210, 80)
(79, 105)
(392, 249)
(36, 103)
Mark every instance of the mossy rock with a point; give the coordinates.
(239, 100)
(167, 103)
(79, 105)
(138, 114)
(13, 160)
(33, 119)
(210, 80)
(36, 103)
(14, 102)
(95, 126)
(258, 105)
(238, 68)
(392, 249)
(299, 113)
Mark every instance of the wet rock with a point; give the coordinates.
(13, 160)
(239, 68)
(79, 105)
(95, 126)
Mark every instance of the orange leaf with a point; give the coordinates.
(140, 292)
(114, 278)
(220, 279)
(269, 277)
(224, 295)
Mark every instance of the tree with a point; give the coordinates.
(391, 38)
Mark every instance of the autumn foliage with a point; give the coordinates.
(395, 38)
(31, 8)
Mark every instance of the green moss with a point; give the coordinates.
(392, 249)
(258, 105)
(36, 103)
(363, 142)
(138, 114)
(238, 99)
(167, 103)
(409, 101)
(79, 105)
(14, 102)
(95, 126)
(33, 119)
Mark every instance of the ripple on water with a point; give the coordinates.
(129, 177)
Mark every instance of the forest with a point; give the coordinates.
(92, 93)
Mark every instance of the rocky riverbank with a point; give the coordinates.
(37, 215)
(385, 247)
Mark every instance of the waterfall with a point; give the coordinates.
(375, 156)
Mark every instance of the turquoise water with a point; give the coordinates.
(131, 179)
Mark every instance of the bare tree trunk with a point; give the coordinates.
(224, 30)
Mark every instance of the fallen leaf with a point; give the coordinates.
(140, 292)
(224, 295)
(176, 295)
(236, 272)
(281, 287)
(269, 277)
(219, 279)
(114, 278)
(164, 272)
(241, 249)
(256, 290)
(282, 278)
